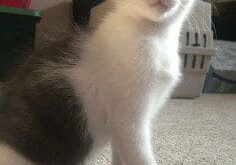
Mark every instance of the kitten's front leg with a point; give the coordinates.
(132, 139)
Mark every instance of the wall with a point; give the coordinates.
(44, 4)
(56, 21)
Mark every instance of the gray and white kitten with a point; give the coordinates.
(65, 103)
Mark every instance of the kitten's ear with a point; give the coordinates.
(94, 3)
(81, 10)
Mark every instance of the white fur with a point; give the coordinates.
(129, 68)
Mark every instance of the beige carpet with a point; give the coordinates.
(193, 132)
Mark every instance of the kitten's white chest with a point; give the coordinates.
(156, 61)
(140, 70)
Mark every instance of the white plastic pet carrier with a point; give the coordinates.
(196, 50)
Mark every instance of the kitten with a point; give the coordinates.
(66, 102)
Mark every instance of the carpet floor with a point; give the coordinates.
(192, 132)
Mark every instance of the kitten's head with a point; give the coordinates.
(155, 10)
